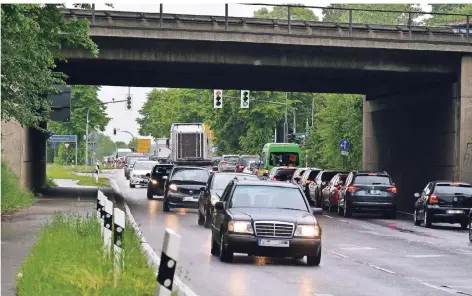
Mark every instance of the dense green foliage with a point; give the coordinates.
(32, 37)
(13, 197)
(281, 12)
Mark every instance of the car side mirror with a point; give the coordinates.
(417, 195)
(164, 178)
(316, 211)
(202, 188)
(220, 205)
(148, 175)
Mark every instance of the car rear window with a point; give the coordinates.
(231, 159)
(285, 172)
(450, 189)
(245, 160)
(327, 176)
(372, 180)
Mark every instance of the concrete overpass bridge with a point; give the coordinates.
(417, 81)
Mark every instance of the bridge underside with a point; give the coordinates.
(417, 110)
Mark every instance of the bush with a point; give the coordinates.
(13, 197)
(69, 259)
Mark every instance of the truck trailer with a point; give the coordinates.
(189, 144)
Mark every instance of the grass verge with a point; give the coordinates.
(88, 169)
(13, 197)
(66, 172)
(68, 259)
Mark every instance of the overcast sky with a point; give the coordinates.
(124, 119)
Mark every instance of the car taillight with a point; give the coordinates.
(224, 162)
(308, 182)
(392, 189)
(433, 199)
(352, 188)
(275, 179)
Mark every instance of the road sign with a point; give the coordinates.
(144, 145)
(63, 138)
(345, 153)
(344, 145)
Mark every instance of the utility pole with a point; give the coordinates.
(312, 111)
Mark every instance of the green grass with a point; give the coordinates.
(68, 259)
(66, 172)
(88, 169)
(13, 197)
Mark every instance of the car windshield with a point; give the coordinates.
(449, 189)
(132, 160)
(371, 180)
(162, 170)
(284, 159)
(188, 174)
(231, 159)
(144, 165)
(263, 196)
(221, 180)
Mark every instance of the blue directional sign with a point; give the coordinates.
(344, 145)
(63, 138)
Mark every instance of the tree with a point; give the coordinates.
(32, 38)
(120, 144)
(281, 12)
(449, 8)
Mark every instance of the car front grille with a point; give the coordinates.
(274, 229)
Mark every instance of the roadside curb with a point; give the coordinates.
(148, 250)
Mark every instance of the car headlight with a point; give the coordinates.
(240, 227)
(154, 182)
(173, 187)
(214, 199)
(308, 231)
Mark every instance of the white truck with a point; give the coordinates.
(189, 144)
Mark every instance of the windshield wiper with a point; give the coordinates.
(290, 209)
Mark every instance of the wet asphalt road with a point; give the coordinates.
(361, 256)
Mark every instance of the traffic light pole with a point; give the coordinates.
(87, 125)
(286, 116)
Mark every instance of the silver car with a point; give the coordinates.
(228, 163)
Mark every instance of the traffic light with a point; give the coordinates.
(217, 99)
(291, 138)
(274, 140)
(245, 99)
(114, 131)
(128, 102)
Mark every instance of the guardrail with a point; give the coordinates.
(407, 21)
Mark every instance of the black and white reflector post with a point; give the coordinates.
(118, 230)
(108, 223)
(169, 257)
(99, 198)
(102, 212)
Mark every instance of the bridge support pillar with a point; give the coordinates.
(465, 135)
(35, 158)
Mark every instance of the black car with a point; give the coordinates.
(281, 173)
(320, 182)
(211, 193)
(262, 218)
(366, 191)
(182, 189)
(157, 178)
(470, 225)
(443, 201)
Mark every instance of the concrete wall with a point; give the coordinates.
(13, 148)
(465, 138)
(413, 137)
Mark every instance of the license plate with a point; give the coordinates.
(376, 192)
(274, 243)
(190, 198)
(455, 211)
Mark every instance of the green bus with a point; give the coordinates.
(281, 154)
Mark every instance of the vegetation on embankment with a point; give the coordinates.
(67, 172)
(13, 197)
(69, 259)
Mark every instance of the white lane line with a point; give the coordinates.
(424, 256)
(452, 291)
(366, 227)
(339, 254)
(382, 269)
(148, 249)
(429, 242)
(345, 221)
(357, 248)
(465, 251)
(330, 218)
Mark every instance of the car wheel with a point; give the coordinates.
(201, 219)
(464, 225)
(347, 210)
(427, 220)
(165, 206)
(225, 253)
(415, 219)
(391, 214)
(340, 210)
(214, 247)
(314, 260)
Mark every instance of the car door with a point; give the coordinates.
(326, 192)
(219, 214)
(204, 195)
(420, 203)
(342, 191)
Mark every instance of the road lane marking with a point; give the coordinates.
(382, 269)
(330, 218)
(465, 251)
(424, 256)
(444, 289)
(339, 254)
(429, 242)
(366, 227)
(148, 249)
(357, 248)
(345, 221)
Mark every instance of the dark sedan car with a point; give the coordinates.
(182, 189)
(443, 201)
(211, 193)
(157, 178)
(261, 218)
(366, 191)
(470, 226)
